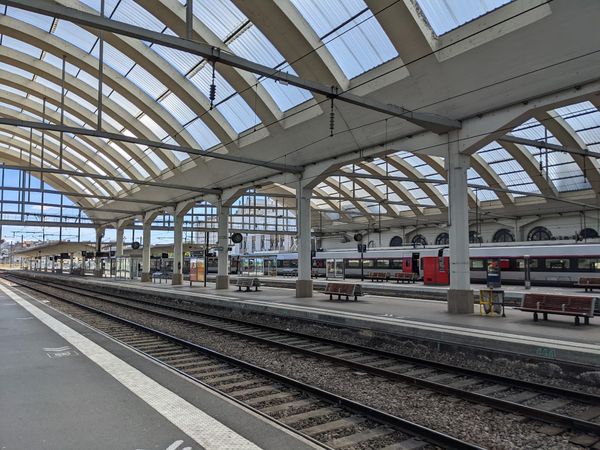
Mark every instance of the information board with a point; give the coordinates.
(196, 269)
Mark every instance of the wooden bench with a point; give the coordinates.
(565, 305)
(378, 276)
(588, 283)
(248, 282)
(343, 290)
(161, 276)
(405, 277)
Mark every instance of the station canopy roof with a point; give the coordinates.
(458, 60)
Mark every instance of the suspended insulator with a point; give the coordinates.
(213, 88)
(331, 119)
(212, 94)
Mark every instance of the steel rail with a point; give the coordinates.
(532, 412)
(406, 426)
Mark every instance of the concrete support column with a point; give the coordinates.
(178, 250)
(98, 271)
(119, 244)
(304, 285)
(223, 243)
(146, 238)
(460, 295)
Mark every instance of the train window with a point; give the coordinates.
(368, 263)
(533, 263)
(396, 264)
(557, 264)
(588, 264)
(383, 263)
(505, 264)
(352, 264)
(477, 264)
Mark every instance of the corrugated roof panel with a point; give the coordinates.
(446, 15)
(222, 17)
(75, 35)
(358, 45)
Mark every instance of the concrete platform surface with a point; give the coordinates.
(64, 386)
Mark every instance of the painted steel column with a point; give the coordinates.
(178, 250)
(146, 238)
(223, 243)
(460, 296)
(119, 244)
(304, 285)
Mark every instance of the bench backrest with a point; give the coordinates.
(405, 275)
(378, 275)
(245, 282)
(340, 288)
(566, 303)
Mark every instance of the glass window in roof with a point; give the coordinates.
(38, 20)
(202, 134)
(146, 82)
(253, 45)
(124, 103)
(182, 113)
(109, 5)
(75, 35)
(350, 32)
(115, 59)
(446, 15)
(153, 126)
(234, 109)
(222, 17)
(21, 46)
(129, 11)
(182, 61)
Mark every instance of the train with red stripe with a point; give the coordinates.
(550, 264)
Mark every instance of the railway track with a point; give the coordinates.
(326, 419)
(561, 409)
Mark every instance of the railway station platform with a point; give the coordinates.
(65, 386)
(557, 338)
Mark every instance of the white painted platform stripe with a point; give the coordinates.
(204, 429)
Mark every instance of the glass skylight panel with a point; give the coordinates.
(253, 45)
(446, 15)
(202, 134)
(222, 17)
(155, 159)
(38, 20)
(75, 35)
(182, 113)
(146, 82)
(129, 11)
(358, 45)
(115, 59)
(124, 103)
(12, 90)
(182, 61)
(153, 126)
(57, 62)
(23, 47)
(16, 70)
(235, 109)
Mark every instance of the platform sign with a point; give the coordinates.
(196, 269)
(494, 276)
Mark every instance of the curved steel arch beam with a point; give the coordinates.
(49, 146)
(164, 72)
(79, 88)
(56, 182)
(346, 194)
(52, 116)
(567, 136)
(411, 172)
(60, 180)
(173, 14)
(492, 179)
(530, 166)
(397, 188)
(52, 44)
(294, 38)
